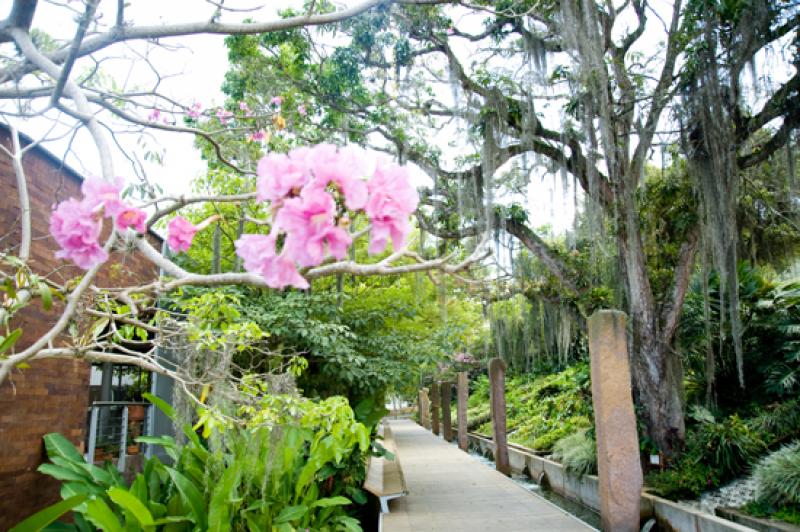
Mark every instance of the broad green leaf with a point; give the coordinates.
(331, 501)
(130, 503)
(291, 513)
(41, 519)
(191, 495)
(161, 405)
(58, 445)
(62, 473)
(219, 510)
(102, 517)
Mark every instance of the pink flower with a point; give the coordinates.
(258, 256)
(76, 228)
(279, 175)
(154, 114)
(309, 224)
(392, 199)
(276, 101)
(99, 193)
(464, 358)
(243, 106)
(194, 112)
(301, 110)
(223, 115)
(131, 217)
(343, 166)
(258, 136)
(180, 233)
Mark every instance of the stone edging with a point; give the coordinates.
(584, 489)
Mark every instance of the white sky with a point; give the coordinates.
(195, 73)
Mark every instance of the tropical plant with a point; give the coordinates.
(577, 452)
(278, 469)
(777, 477)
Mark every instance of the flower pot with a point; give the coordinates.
(133, 449)
(135, 412)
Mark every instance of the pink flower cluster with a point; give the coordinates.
(76, 224)
(303, 187)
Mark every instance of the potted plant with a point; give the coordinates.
(135, 412)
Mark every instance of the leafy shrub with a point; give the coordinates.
(686, 480)
(274, 471)
(577, 453)
(777, 476)
(778, 422)
(729, 446)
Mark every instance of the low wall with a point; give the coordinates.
(584, 489)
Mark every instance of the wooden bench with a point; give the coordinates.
(385, 477)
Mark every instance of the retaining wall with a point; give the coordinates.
(584, 489)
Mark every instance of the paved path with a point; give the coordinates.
(451, 491)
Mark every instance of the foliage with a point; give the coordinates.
(685, 480)
(577, 452)
(716, 451)
(729, 446)
(788, 513)
(281, 469)
(543, 410)
(777, 422)
(777, 477)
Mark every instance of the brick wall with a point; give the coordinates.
(52, 395)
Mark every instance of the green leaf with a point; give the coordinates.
(133, 505)
(10, 340)
(291, 513)
(63, 473)
(161, 405)
(58, 445)
(331, 501)
(41, 519)
(219, 510)
(101, 516)
(191, 495)
(47, 296)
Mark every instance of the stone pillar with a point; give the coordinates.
(435, 407)
(447, 416)
(462, 396)
(424, 408)
(497, 396)
(618, 466)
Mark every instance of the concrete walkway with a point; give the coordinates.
(451, 491)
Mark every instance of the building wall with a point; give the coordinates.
(52, 395)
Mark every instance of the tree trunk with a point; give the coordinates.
(657, 373)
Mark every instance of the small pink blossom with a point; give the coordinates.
(131, 217)
(76, 228)
(280, 175)
(276, 101)
(301, 110)
(392, 200)
(180, 233)
(257, 136)
(258, 256)
(343, 166)
(464, 358)
(99, 193)
(194, 112)
(224, 115)
(310, 228)
(154, 115)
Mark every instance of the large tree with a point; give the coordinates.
(589, 89)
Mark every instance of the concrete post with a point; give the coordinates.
(497, 396)
(462, 396)
(435, 407)
(618, 466)
(424, 408)
(447, 416)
